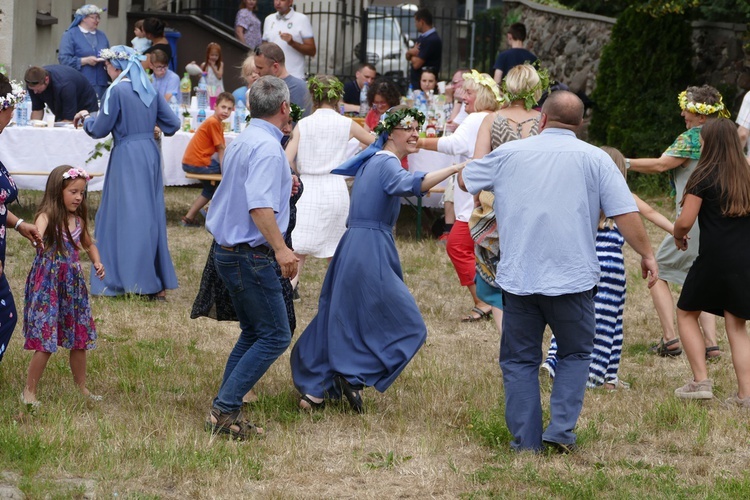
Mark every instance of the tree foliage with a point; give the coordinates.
(642, 69)
(736, 11)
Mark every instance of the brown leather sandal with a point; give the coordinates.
(232, 424)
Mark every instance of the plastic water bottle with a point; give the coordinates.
(22, 111)
(186, 87)
(410, 93)
(201, 116)
(364, 108)
(239, 116)
(202, 92)
(175, 106)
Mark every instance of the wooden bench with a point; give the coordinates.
(214, 179)
(46, 174)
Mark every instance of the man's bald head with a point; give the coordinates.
(564, 109)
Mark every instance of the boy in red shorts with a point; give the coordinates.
(199, 154)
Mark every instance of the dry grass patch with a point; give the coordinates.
(438, 432)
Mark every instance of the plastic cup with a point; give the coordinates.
(212, 102)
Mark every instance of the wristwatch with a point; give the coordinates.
(627, 163)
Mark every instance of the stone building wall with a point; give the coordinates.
(570, 45)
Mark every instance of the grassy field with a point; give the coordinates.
(438, 432)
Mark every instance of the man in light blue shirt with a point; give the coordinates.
(549, 190)
(248, 218)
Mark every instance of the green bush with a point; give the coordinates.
(642, 70)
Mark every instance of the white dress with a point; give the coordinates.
(324, 205)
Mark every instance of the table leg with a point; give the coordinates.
(419, 218)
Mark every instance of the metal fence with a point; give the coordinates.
(347, 33)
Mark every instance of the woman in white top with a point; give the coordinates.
(319, 146)
(481, 96)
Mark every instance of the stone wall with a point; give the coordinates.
(570, 44)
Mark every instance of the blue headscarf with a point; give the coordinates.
(130, 66)
(84, 11)
(351, 166)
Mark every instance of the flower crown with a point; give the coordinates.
(701, 108)
(75, 173)
(332, 90)
(485, 81)
(528, 96)
(295, 112)
(16, 95)
(89, 9)
(114, 54)
(403, 117)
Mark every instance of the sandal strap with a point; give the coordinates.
(671, 342)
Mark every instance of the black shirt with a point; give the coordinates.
(509, 59)
(68, 93)
(351, 92)
(431, 52)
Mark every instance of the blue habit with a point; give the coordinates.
(368, 325)
(131, 223)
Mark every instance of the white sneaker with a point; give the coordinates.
(696, 390)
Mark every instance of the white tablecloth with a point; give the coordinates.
(429, 161)
(31, 149)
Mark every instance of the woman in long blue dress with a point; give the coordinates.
(131, 224)
(368, 325)
(11, 93)
(81, 44)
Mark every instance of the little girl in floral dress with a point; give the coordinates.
(57, 311)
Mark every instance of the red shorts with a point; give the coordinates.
(460, 248)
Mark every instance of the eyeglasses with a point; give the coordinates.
(158, 68)
(259, 53)
(408, 129)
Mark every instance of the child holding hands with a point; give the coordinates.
(717, 194)
(57, 311)
(609, 301)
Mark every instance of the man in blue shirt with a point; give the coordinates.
(515, 55)
(549, 190)
(428, 50)
(248, 218)
(64, 90)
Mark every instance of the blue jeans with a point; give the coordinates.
(571, 318)
(250, 277)
(214, 168)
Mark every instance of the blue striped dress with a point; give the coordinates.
(609, 304)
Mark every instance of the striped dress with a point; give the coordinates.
(609, 304)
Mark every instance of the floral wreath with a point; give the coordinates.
(295, 112)
(75, 173)
(331, 90)
(701, 108)
(114, 54)
(89, 9)
(403, 117)
(16, 95)
(485, 81)
(527, 96)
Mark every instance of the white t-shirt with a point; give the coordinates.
(461, 143)
(743, 117)
(296, 24)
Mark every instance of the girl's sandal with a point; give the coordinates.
(663, 350)
(713, 353)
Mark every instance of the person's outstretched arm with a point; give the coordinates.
(631, 228)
